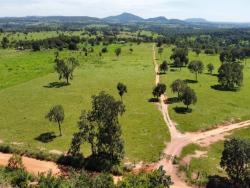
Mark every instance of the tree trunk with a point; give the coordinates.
(187, 107)
(196, 76)
(59, 125)
(67, 80)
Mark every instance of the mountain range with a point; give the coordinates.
(124, 18)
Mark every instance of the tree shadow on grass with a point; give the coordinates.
(46, 137)
(211, 74)
(182, 110)
(153, 100)
(221, 88)
(56, 85)
(190, 81)
(172, 100)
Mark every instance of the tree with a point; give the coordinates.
(197, 51)
(182, 54)
(118, 52)
(36, 46)
(230, 75)
(178, 86)
(65, 68)
(73, 46)
(159, 90)
(196, 67)
(101, 129)
(178, 63)
(236, 160)
(56, 114)
(160, 51)
(189, 97)
(104, 50)
(121, 89)
(5, 42)
(164, 67)
(210, 68)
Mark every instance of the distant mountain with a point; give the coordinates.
(160, 19)
(124, 18)
(196, 20)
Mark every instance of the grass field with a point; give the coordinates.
(25, 98)
(210, 165)
(213, 106)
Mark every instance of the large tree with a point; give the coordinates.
(159, 90)
(178, 86)
(236, 161)
(65, 68)
(189, 97)
(196, 67)
(56, 114)
(122, 89)
(101, 129)
(182, 54)
(230, 75)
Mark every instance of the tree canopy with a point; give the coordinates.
(196, 67)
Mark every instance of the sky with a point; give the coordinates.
(212, 10)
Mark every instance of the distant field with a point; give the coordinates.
(213, 106)
(25, 99)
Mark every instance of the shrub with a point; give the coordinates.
(15, 162)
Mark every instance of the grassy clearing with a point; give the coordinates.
(190, 150)
(210, 165)
(24, 105)
(213, 106)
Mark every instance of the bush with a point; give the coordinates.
(15, 162)
(20, 179)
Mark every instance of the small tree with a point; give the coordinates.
(5, 42)
(164, 67)
(118, 52)
(178, 86)
(189, 97)
(122, 89)
(196, 67)
(159, 90)
(182, 54)
(210, 68)
(15, 162)
(56, 114)
(65, 68)
(236, 160)
(197, 51)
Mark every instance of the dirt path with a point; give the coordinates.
(33, 166)
(179, 140)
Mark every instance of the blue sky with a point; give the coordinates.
(214, 10)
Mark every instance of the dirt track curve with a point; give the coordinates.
(179, 140)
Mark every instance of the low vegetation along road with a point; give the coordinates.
(179, 140)
(174, 148)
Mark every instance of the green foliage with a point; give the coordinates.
(189, 97)
(210, 68)
(156, 179)
(164, 67)
(182, 55)
(236, 160)
(178, 86)
(56, 114)
(65, 68)
(15, 162)
(230, 75)
(118, 51)
(5, 42)
(196, 67)
(50, 181)
(20, 178)
(101, 129)
(159, 90)
(122, 88)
